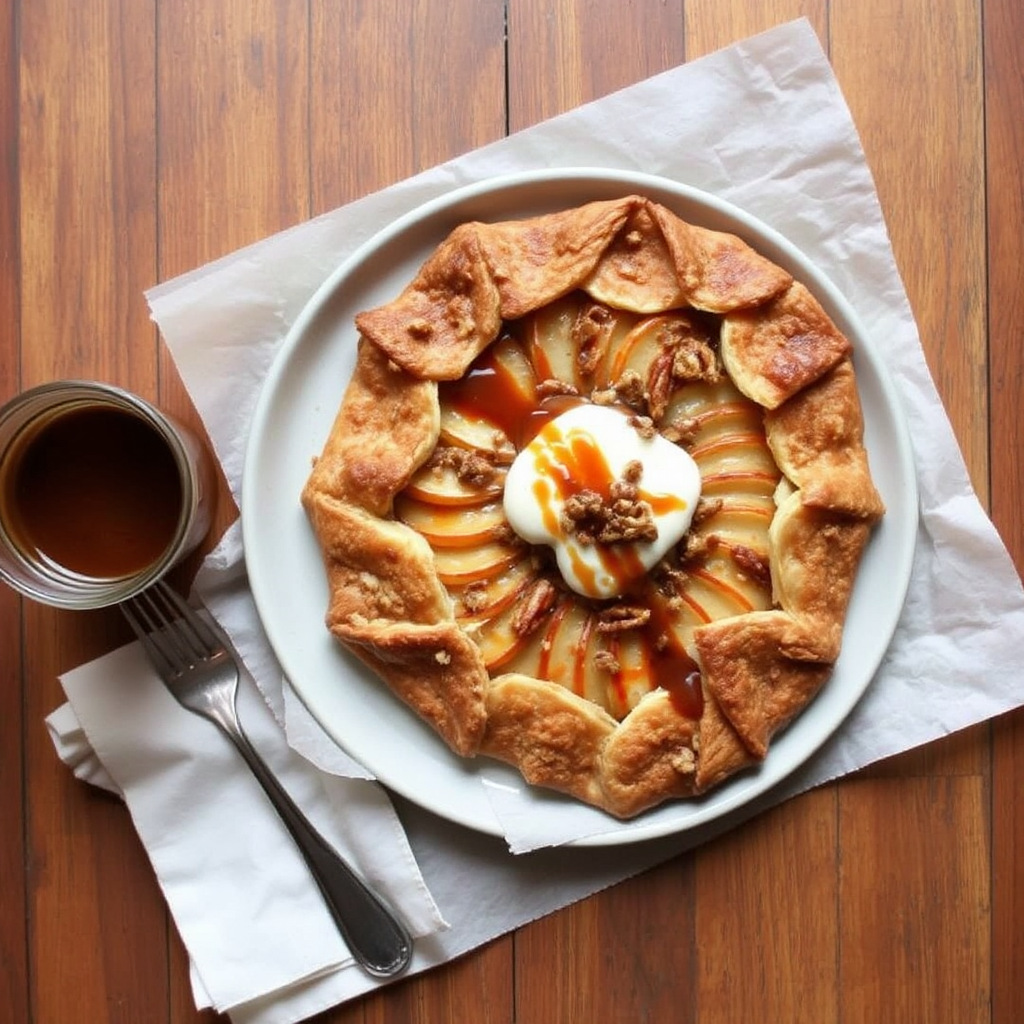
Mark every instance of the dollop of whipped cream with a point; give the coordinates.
(592, 457)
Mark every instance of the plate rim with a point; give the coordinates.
(595, 177)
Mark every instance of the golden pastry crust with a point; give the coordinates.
(757, 670)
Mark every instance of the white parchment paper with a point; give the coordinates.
(764, 125)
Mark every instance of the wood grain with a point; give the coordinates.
(711, 25)
(914, 861)
(767, 929)
(141, 140)
(87, 238)
(14, 975)
(392, 96)
(1004, 104)
(583, 57)
(925, 144)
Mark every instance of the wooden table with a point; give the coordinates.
(143, 139)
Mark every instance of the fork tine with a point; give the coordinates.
(205, 636)
(145, 631)
(170, 629)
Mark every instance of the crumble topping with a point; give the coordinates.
(553, 386)
(620, 617)
(623, 518)
(591, 332)
(470, 467)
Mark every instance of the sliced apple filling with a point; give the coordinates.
(584, 641)
(510, 596)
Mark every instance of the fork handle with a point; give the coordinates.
(372, 932)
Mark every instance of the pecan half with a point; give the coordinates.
(536, 602)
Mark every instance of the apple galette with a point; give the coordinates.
(595, 498)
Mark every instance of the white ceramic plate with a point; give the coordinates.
(293, 418)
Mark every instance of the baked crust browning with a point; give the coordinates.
(758, 671)
(396, 601)
(554, 737)
(777, 349)
(817, 438)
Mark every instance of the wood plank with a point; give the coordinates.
(14, 984)
(477, 987)
(761, 952)
(613, 957)
(914, 866)
(392, 96)
(914, 847)
(1004, 101)
(234, 147)
(710, 24)
(234, 150)
(587, 48)
(766, 927)
(1007, 876)
(88, 248)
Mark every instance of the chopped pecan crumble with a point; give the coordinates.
(606, 662)
(623, 518)
(697, 547)
(474, 596)
(620, 617)
(591, 332)
(660, 385)
(682, 432)
(630, 390)
(669, 580)
(553, 386)
(644, 426)
(706, 508)
(471, 468)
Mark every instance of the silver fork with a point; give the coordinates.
(194, 659)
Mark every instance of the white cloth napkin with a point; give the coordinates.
(763, 124)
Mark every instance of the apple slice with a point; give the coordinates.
(596, 679)
(496, 637)
(486, 599)
(632, 652)
(566, 341)
(469, 431)
(652, 338)
(565, 644)
(747, 453)
(526, 652)
(445, 526)
(547, 338)
(441, 485)
(485, 407)
(459, 566)
(713, 596)
(677, 615)
(705, 409)
(739, 522)
(739, 481)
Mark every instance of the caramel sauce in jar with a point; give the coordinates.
(100, 493)
(94, 491)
